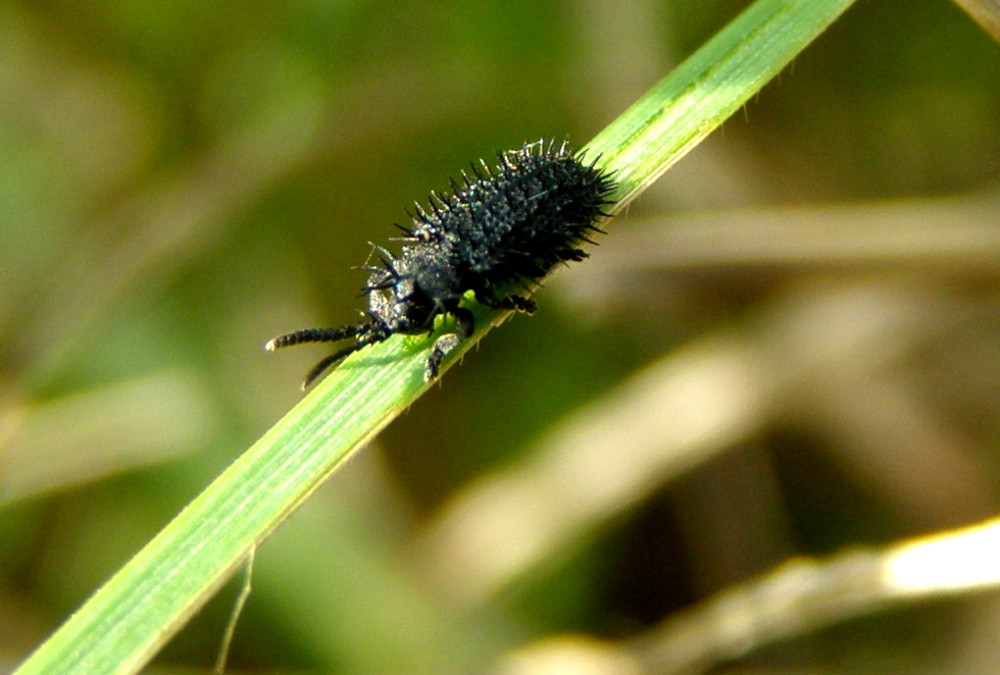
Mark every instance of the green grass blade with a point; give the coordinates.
(707, 88)
(145, 603)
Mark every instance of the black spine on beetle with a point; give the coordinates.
(504, 227)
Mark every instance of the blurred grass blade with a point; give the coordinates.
(985, 12)
(745, 617)
(142, 606)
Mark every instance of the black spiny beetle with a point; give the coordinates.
(503, 227)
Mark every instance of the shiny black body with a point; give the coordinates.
(505, 227)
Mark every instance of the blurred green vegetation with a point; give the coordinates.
(180, 181)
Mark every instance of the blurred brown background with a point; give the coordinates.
(809, 304)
